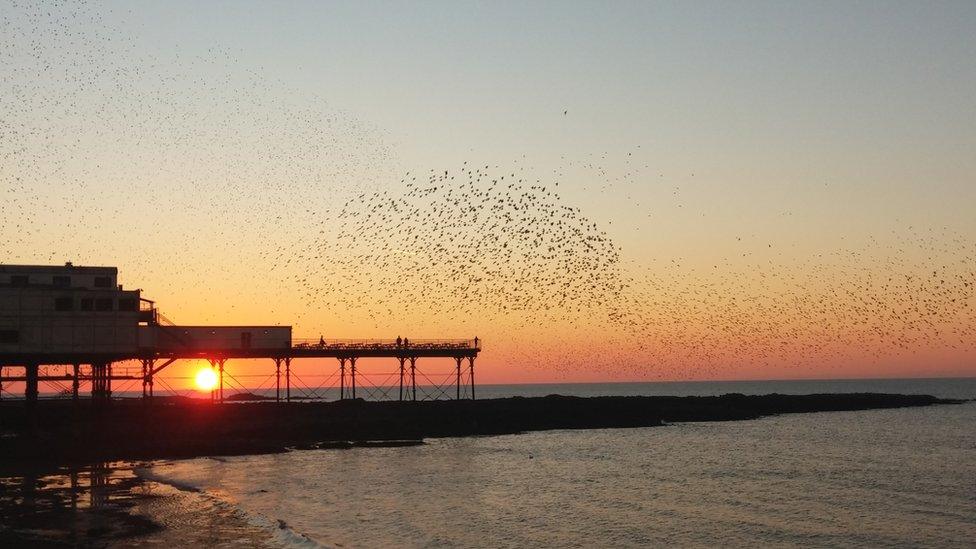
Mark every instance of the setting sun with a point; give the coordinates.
(206, 379)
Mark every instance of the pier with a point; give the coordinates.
(101, 371)
(69, 325)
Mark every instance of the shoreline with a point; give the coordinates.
(124, 503)
(59, 433)
(115, 504)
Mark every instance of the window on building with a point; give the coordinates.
(86, 303)
(103, 304)
(127, 304)
(103, 282)
(18, 280)
(62, 281)
(63, 304)
(9, 336)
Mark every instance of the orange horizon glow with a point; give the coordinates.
(189, 375)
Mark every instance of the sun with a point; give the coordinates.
(206, 379)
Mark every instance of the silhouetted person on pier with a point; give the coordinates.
(406, 342)
(399, 342)
(321, 341)
(475, 342)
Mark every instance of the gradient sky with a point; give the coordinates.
(721, 145)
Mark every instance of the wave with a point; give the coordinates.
(281, 534)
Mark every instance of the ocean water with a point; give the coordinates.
(940, 387)
(944, 387)
(885, 478)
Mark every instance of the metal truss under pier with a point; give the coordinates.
(97, 368)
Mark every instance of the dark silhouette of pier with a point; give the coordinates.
(80, 317)
(100, 371)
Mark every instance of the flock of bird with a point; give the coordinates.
(475, 240)
(206, 182)
(501, 253)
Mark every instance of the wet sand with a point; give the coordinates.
(112, 505)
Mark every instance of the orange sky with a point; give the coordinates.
(683, 195)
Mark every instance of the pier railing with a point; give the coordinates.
(385, 344)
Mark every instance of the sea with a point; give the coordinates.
(881, 478)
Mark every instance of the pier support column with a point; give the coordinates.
(147, 366)
(352, 364)
(97, 382)
(288, 380)
(413, 377)
(101, 384)
(30, 390)
(277, 380)
(1, 381)
(342, 378)
(471, 374)
(458, 360)
(75, 380)
(213, 390)
(220, 366)
(402, 360)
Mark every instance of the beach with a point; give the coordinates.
(786, 480)
(916, 458)
(112, 504)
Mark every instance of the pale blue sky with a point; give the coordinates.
(871, 97)
(894, 74)
(802, 121)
